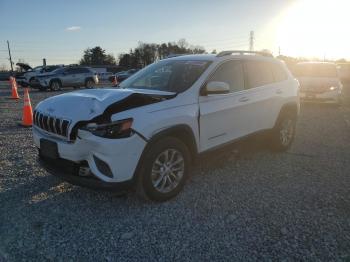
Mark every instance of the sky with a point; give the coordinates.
(61, 30)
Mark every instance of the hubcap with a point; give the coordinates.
(55, 86)
(286, 132)
(89, 84)
(167, 170)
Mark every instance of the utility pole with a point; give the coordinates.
(251, 41)
(279, 51)
(8, 47)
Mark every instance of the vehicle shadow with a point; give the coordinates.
(242, 149)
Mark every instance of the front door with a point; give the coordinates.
(223, 117)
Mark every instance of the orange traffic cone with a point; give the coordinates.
(27, 120)
(14, 88)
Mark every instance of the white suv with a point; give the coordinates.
(147, 132)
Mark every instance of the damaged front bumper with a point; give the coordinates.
(70, 172)
(111, 161)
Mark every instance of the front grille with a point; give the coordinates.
(51, 124)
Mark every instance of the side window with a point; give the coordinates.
(79, 70)
(83, 70)
(258, 74)
(231, 73)
(70, 71)
(278, 72)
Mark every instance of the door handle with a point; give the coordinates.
(243, 99)
(279, 91)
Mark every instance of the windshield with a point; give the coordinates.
(172, 76)
(316, 70)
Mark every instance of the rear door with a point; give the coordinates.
(82, 74)
(72, 76)
(263, 95)
(68, 77)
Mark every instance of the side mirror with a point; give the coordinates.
(215, 87)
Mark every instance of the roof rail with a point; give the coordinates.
(175, 55)
(243, 52)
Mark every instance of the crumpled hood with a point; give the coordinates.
(85, 105)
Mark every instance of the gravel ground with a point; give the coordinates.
(241, 203)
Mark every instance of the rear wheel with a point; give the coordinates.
(284, 132)
(55, 85)
(164, 170)
(89, 83)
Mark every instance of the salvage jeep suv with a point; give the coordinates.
(147, 132)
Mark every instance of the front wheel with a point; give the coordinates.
(164, 170)
(283, 134)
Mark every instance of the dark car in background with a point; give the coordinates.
(5, 76)
(74, 76)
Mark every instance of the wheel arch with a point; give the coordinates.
(55, 79)
(291, 107)
(89, 78)
(182, 132)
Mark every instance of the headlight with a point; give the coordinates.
(332, 88)
(119, 129)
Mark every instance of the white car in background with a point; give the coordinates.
(147, 133)
(319, 81)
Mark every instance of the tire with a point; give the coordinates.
(282, 136)
(157, 180)
(55, 85)
(89, 83)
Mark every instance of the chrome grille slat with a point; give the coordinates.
(51, 124)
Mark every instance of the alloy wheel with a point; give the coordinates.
(286, 132)
(167, 170)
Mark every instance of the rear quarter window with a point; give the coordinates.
(279, 73)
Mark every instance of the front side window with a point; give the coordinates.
(231, 73)
(258, 73)
(172, 76)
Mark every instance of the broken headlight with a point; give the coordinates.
(118, 129)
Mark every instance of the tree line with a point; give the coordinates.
(141, 56)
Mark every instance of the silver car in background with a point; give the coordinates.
(74, 76)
